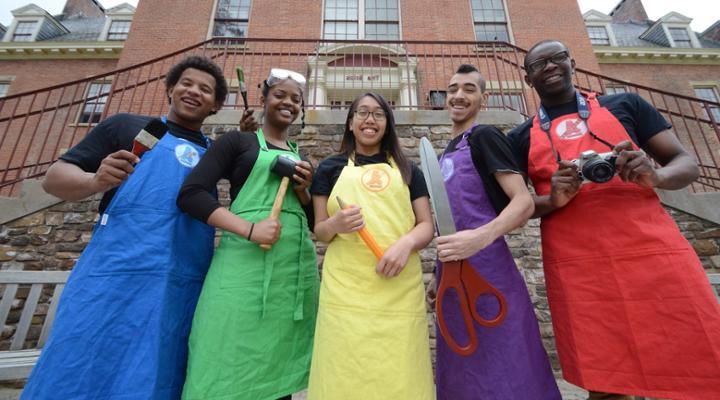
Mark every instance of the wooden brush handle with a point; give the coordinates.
(277, 205)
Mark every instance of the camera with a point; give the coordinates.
(594, 167)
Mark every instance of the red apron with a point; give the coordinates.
(632, 309)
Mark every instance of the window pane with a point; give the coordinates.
(488, 11)
(230, 29)
(615, 89)
(230, 101)
(709, 94)
(512, 101)
(680, 37)
(598, 35)
(94, 103)
(491, 32)
(118, 30)
(340, 30)
(23, 31)
(376, 31)
(233, 9)
(380, 10)
(4, 89)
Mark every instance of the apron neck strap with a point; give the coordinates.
(263, 143)
(207, 140)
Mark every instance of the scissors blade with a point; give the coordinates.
(436, 185)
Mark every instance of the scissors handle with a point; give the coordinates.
(450, 279)
(476, 286)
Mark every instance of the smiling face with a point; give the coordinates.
(368, 131)
(554, 80)
(464, 97)
(282, 103)
(192, 98)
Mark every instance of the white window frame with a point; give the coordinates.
(715, 87)
(361, 21)
(211, 29)
(694, 42)
(508, 24)
(6, 81)
(95, 113)
(10, 34)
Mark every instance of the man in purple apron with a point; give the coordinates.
(488, 198)
(123, 321)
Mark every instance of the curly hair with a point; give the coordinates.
(203, 64)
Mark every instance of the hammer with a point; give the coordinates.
(284, 166)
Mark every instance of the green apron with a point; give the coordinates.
(253, 329)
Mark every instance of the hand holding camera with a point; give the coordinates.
(635, 166)
(564, 184)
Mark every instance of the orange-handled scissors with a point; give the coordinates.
(459, 276)
(364, 234)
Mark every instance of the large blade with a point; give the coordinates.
(436, 186)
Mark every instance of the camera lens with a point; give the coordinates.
(598, 171)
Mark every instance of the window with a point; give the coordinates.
(680, 36)
(230, 101)
(709, 94)
(4, 88)
(598, 35)
(490, 21)
(231, 18)
(378, 21)
(95, 103)
(615, 89)
(24, 31)
(119, 30)
(507, 100)
(437, 99)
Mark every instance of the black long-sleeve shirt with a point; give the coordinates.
(231, 157)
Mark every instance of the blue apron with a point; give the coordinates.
(124, 318)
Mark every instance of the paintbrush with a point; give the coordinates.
(148, 137)
(241, 86)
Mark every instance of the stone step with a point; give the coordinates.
(701, 205)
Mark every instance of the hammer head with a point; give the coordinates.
(283, 166)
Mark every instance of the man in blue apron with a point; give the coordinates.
(124, 317)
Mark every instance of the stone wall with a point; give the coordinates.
(53, 239)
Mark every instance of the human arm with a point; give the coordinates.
(564, 185)
(395, 257)
(69, 182)
(463, 244)
(343, 221)
(677, 168)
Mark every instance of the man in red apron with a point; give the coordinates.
(632, 309)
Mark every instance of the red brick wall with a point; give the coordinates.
(36, 74)
(163, 26)
(285, 20)
(674, 78)
(535, 20)
(437, 20)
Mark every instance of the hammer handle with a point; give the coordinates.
(277, 205)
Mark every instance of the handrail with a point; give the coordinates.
(38, 125)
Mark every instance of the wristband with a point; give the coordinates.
(252, 225)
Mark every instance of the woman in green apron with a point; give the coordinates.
(252, 333)
(371, 339)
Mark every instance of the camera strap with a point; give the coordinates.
(583, 113)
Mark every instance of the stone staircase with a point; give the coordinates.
(32, 198)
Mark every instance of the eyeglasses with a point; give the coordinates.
(378, 115)
(277, 75)
(556, 59)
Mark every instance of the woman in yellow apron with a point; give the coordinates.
(371, 337)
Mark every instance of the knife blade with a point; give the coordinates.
(436, 186)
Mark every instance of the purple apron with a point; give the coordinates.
(510, 362)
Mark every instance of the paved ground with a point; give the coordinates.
(569, 392)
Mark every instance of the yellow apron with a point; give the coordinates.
(371, 337)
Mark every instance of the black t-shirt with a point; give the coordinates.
(639, 118)
(113, 134)
(491, 152)
(330, 168)
(231, 157)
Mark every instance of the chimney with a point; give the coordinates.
(82, 8)
(712, 33)
(629, 11)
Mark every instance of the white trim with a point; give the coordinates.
(608, 30)
(361, 21)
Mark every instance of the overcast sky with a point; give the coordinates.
(703, 12)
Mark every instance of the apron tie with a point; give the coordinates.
(270, 267)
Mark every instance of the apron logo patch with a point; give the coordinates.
(187, 155)
(571, 129)
(375, 179)
(447, 169)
